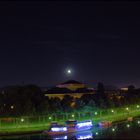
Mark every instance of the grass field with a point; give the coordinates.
(38, 124)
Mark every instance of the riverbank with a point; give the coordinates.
(115, 117)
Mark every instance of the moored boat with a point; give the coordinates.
(105, 123)
(70, 126)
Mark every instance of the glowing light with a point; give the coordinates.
(85, 137)
(50, 118)
(112, 111)
(113, 129)
(61, 138)
(96, 133)
(138, 122)
(72, 115)
(84, 124)
(57, 129)
(69, 71)
(12, 107)
(138, 106)
(127, 108)
(22, 120)
(128, 125)
(96, 113)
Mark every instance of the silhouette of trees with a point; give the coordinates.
(30, 100)
(66, 103)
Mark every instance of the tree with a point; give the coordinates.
(100, 90)
(79, 104)
(92, 104)
(66, 103)
(55, 105)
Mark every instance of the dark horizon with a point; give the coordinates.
(98, 41)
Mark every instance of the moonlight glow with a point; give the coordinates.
(69, 71)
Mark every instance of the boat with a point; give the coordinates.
(130, 119)
(105, 123)
(70, 126)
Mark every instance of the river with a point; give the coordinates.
(124, 130)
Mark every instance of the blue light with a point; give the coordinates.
(57, 129)
(84, 135)
(84, 124)
(61, 138)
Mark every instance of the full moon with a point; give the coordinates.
(69, 71)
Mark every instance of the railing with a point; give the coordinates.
(42, 121)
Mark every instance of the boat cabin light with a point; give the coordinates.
(84, 124)
(57, 129)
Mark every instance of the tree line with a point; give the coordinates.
(30, 100)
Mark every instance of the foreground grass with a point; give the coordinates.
(118, 114)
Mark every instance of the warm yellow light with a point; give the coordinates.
(12, 107)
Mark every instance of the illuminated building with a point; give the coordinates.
(71, 87)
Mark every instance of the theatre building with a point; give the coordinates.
(71, 87)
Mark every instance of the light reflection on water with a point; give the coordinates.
(115, 131)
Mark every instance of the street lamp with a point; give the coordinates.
(96, 113)
(96, 133)
(128, 125)
(127, 108)
(113, 129)
(22, 120)
(138, 106)
(72, 115)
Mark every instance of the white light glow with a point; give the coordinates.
(84, 124)
(69, 71)
(127, 108)
(128, 125)
(22, 120)
(112, 111)
(113, 129)
(56, 129)
(96, 133)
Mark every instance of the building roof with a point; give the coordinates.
(71, 82)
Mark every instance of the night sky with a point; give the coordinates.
(98, 41)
